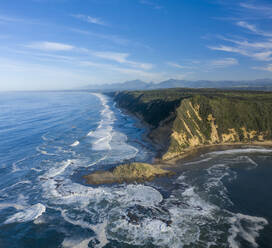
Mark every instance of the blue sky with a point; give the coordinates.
(56, 44)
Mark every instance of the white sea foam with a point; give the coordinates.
(76, 143)
(245, 226)
(99, 229)
(137, 214)
(15, 164)
(55, 171)
(239, 151)
(97, 161)
(40, 220)
(111, 208)
(214, 185)
(44, 152)
(16, 184)
(244, 159)
(108, 139)
(198, 161)
(90, 133)
(35, 169)
(103, 133)
(11, 205)
(27, 214)
(76, 242)
(120, 147)
(139, 194)
(162, 223)
(44, 138)
(19, 204)
(14, 167)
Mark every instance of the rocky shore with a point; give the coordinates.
(181, 121)
(127, 173)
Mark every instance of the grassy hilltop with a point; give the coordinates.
(181, 119)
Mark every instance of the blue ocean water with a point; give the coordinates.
(45, 138)
(48, 140)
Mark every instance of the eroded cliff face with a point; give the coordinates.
(198, 123)
(195, 120)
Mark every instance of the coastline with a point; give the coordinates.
(191, 152)
(157, 162)
(142, 124)
(187, 151)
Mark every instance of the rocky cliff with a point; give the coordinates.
(182, 119)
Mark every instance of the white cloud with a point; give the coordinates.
(263, 56)
(113, 38)
(228, 49)
(90, 19)
(151, 4)
(224, 62)
(118, 57)
(176, 65)
(253, 29)
(204, 65)
(122, 58)
(10, 19)
(50, 46)
(257, 46)
(4, 18)
(247, 26)
(265, 11)
(266, 44)
(257, 55)
(264, 68)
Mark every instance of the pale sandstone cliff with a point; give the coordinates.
(181, 120)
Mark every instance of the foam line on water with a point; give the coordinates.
(97, 161)
(27, 214)
(76, 143)
(239, 151)
(38, 149)
(103, 133)
(55, 171)
(14, 185)
(98, 229)
(15, 167)
(76, 242)
(198, 162)
(11, 205)
(248, 227)
(246, 159)
(90, 133)
(214, 182)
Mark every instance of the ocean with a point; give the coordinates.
(49, 140)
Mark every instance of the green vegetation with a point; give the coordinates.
(134, 172)
(186, 118)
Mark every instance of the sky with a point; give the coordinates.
(66, 44)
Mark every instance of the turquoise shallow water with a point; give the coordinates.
(220, 199)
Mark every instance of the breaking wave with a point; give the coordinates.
(27, 214)
(190, 212)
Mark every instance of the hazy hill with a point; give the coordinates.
(128, 85)
(259, 84)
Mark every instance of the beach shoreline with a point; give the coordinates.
(191, 152)
(177, 162)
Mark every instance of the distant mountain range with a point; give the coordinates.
(258, 84)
